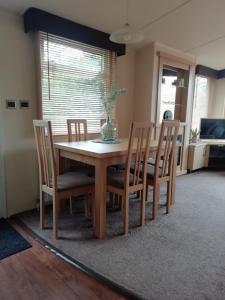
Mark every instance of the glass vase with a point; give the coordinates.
(108, 130)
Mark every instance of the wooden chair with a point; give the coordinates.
(77, 131)
(124, 182)
(80, 129)
(58, 186)
(163, 169)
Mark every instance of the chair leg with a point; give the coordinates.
(168, 200)
(42, 210)
(143, 200)
(56, 205)
(156, 192)
(71, 205)
(146, 192)
(125, 201)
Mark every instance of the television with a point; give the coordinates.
(212, 129)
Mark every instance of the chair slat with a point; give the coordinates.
(80, 129)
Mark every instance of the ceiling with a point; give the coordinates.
(193, 26)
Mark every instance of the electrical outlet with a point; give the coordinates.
(10, 104)
(24, 104)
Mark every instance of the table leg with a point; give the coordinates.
(100, 199)
(59, 162)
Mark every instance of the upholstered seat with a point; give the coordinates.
(117, 179)
(151, 171)
(72, 180)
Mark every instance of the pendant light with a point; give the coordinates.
(127, 34)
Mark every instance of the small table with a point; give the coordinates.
(101, 156)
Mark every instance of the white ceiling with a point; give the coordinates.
(194, 26)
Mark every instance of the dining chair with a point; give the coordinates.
(124, 182)
(77, 129)
(163, 168)
(58, 186)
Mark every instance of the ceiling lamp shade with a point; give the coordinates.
(126, 35)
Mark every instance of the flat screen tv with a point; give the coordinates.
(212, 129)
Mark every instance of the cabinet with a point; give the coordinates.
(217, 156)
(197, 156)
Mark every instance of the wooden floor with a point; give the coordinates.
(36, 273)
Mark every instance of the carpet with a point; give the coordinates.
(177, 256)
(11, 242)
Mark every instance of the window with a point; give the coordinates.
(201, 100)
(70, 76)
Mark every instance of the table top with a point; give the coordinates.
(99, 150)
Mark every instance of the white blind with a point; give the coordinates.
(70, 77)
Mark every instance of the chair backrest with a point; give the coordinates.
(138, 152)
(45, 152)
(166, 148)
(77, 129)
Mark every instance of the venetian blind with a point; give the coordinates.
(71, 75)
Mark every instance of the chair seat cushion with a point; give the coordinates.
(72, 180)
(117, 179)
(150, 171)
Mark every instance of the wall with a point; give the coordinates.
(217, 106)
(125, 78)
(17, 81)
(143, 83)
(19, 178)
(2, 181)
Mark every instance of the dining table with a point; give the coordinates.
(101, 156)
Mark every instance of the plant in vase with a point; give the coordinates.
(109, 100)
(194, 135)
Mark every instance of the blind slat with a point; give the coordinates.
(70, 75)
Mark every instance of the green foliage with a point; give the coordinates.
(109, 99)
(195, 133)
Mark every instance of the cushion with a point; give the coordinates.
(150, 171)
(117, 179)
(72, 180)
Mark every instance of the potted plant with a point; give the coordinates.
(194, 135)
(109, 100)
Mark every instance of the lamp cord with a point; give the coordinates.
(127, 4)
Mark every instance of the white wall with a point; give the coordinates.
(2, 170)
(125, 79)
(144, 67)
(217, 106)
(17, 81)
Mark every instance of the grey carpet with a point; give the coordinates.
(178, 256)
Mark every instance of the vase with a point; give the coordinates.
(108, 131)
(194, 140)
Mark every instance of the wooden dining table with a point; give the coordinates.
(101, 156)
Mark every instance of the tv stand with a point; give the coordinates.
(206, 153)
